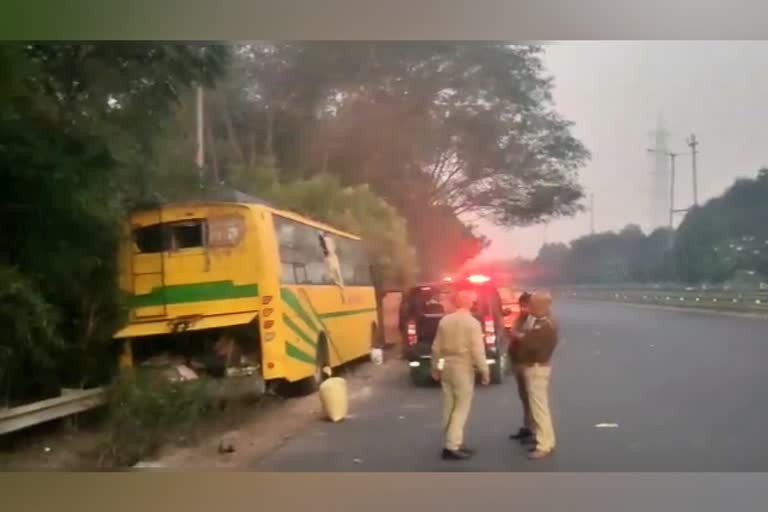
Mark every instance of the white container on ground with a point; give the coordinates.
(377, 356)
(333, 397)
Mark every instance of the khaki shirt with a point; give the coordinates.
(459, 341)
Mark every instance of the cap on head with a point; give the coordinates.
(541, 302)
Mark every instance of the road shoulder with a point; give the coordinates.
(265, 431)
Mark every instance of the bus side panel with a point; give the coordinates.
(343, 316)
(346, 315)
(301, 330)
(289, 345)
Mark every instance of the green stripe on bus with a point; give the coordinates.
(293, 301)
(196, 292)
(350, 312)
(297, 330)
(296, 353)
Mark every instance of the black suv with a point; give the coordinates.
(423, 306)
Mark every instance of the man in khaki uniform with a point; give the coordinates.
(523, 323)
(457, 352)
(536, 347)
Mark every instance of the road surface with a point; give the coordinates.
(689, 392)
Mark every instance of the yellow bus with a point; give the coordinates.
(231, 288)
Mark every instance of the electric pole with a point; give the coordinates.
(692, 143)
(672, 157)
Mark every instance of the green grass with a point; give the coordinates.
(145, 412)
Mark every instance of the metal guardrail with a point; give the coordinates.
(727, 300)
(70, 402)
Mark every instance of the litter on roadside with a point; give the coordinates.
(148, 465)
(607, 425)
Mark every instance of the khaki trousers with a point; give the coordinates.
(458, 387)
(522, 391)
(537, 383)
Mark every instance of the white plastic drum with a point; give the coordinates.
(333, 397)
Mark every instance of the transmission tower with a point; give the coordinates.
(659, 199)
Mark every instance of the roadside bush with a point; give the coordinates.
(145, 412)
(29, 341)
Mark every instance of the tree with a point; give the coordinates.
(444, 130)
(626, 256)
(726, 235)
(354, 209)
(552, 262)
(78, 121)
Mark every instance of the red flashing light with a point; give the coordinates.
(411, 332)
(489, 330)
(478, 279)
(448, 279)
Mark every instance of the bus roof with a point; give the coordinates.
(315, 224)
(251, 205)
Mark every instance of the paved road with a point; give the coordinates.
(689, 392)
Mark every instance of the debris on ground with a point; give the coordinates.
(148, 465)
(358, 461)
(607, 425)
(226, 445)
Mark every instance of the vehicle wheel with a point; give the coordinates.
(499, 369)
(420, 378)
(311, 384)
(415, 377)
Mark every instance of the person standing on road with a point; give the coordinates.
(536, 347)
(457, 352)
(523, 323)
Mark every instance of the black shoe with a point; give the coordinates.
(522, 434)
(528, 441)
(455, 454)
(468, 451)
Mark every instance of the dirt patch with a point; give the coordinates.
(66, 445)
(253, 434)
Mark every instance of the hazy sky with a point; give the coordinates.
(614, 92)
